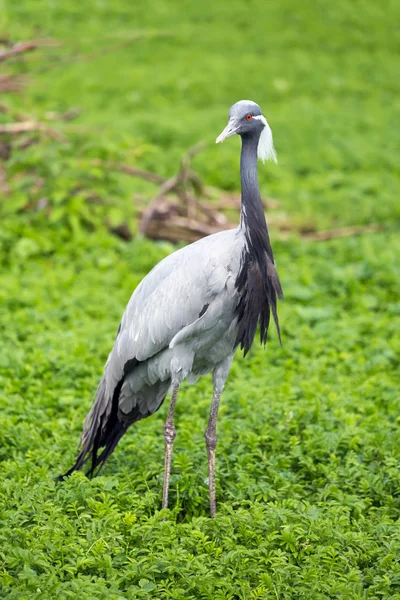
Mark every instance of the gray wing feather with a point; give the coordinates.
(201, 324)
(169, 300)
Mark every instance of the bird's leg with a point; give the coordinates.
(211, 443)
(220, 374)
(169, 436)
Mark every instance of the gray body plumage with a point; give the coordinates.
(168, 336)
(191, 312)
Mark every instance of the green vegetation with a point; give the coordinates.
(308, 457)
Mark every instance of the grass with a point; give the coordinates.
(308, 457)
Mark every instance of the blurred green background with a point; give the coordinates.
(308, 455)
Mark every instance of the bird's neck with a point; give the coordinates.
(252, 218)
(257, 282)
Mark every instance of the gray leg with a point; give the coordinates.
(220, 374)
(169, 436)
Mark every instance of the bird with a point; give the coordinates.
(188, 316)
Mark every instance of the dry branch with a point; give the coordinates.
(178, 184)
(176, 228)
(128, 170)
(330, 234)
(19, 48)
(22, 127)
(28, 127)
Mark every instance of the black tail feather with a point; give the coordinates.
(109, 447)
(109, 444)
(102, 430)
(105, 424)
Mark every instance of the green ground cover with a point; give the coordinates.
(308, 457)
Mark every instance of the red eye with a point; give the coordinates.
(249, 117)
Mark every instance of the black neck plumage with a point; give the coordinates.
(257, 282)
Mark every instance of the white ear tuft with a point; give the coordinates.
(265, 149)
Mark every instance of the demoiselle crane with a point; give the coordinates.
(188, 316)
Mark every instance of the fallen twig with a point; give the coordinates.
(215, 217)
(29, 126)
(128, 170)
(173, 184)
(19, 48)
(179, 229)
(22, 127)
(330, 234)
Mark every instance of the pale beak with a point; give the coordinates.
(229, 130)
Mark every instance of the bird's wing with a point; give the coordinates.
(168, 300)
(169, 303)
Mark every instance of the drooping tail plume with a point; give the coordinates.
(102, 429)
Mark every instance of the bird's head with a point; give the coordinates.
(246, 119)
